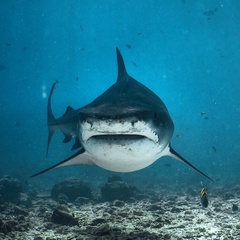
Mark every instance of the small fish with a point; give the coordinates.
(214, 149)
(209, 13)
(134, 64)
(128, 46)
(204, 197)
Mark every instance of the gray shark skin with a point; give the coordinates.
(125, 129)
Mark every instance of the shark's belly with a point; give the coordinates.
(123, 155)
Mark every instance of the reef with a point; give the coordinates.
(163, 212)
(71, 189)
(116, 189)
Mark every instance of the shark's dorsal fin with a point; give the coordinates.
(122, 72)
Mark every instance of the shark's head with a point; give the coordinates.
(126, 128)
(127, 143)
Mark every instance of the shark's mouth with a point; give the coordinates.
(118, 141)
(122, 140)
(118, 137)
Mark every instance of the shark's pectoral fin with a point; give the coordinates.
(79, 158)
(172, 153)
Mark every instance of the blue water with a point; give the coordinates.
(187, 52)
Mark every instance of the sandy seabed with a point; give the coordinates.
(159, 215)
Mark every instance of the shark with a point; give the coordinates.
(125, 129)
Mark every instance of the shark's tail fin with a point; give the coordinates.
(50, 117)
